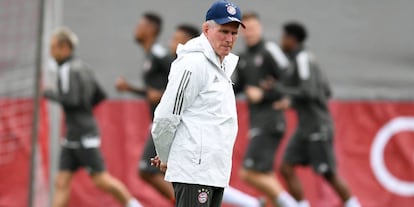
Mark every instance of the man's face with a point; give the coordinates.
(288, 43)
(222, 37)
(179, 37)
(253, 31)
(143, 30)
(59, 50)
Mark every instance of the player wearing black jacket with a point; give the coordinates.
(155, 67)
(260, 61)
(78, 93)
(307, 91)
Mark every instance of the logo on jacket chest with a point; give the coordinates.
(258, 60)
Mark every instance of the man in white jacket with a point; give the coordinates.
(195, 124)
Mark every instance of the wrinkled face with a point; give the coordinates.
(143, 30)
(222, 37)
(59, 50)
(179, 37)
(253, 31)
(288, 43)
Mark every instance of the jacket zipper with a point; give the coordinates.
(201, 150)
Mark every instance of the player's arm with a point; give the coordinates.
(154, 95)
(277, 65)
(123, 85)
(183, 87)
(99, 94)
(72, 97)
(51, 95)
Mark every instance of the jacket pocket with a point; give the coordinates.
(200, 147)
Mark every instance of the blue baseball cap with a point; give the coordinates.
(223, 12)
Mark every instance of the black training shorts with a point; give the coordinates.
(312, 148)
(260, 154)
(71, 159)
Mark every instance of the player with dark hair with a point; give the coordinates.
(78, 93)
(307, 91)
(262, 59)
(155, 21)
(182, 34)
(156, 68)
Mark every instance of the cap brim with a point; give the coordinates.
(228, 20)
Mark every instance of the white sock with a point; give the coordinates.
(235, 197)
(133, 203)
(352, 202)
(303, 203)
(286, 200)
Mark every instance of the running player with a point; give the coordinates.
(182, 34)
(156, 68)
(262, 59)
(78, 93)
(307, 91)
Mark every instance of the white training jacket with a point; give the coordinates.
(195, 124)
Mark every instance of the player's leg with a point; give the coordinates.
(67, 165)
(62, 188)
(295, 154)
(109, 184)
(197, 195)
(235, 197)
(323, 163)
(258, 168)
(342, 190)
(91, 159)
(152, 175)
(292, 181)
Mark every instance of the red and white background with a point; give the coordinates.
(374, 144)
(374, 139)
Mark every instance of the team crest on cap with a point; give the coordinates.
(203, 195)
(231, 10)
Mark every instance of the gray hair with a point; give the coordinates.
(211, 23)
(66, 35)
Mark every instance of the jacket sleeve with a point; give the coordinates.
(184, 85)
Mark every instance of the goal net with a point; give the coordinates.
(19, 31)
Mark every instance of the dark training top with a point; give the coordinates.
(78, 99)
(255, 65)
(156, 68)
(309, 90)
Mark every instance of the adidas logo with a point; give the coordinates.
(216, 79)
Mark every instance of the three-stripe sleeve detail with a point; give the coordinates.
(179, 98)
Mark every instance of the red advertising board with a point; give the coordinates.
(374, 143)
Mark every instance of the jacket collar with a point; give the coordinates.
(257, 46)
(66, 60)
(229, 62)
(202, 45)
